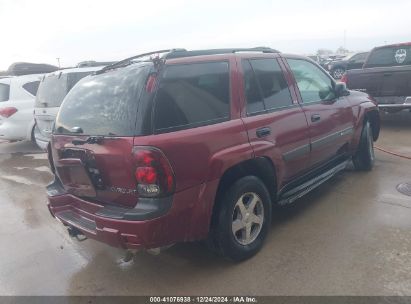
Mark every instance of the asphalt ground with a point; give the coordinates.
(351, 236)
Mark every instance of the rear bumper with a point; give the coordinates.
(10, 130)
(149, 225)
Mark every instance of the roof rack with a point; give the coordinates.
(128, 60)
(179, 53)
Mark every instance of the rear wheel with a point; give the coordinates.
(364, 158)
(243, 219)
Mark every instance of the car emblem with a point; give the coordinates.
(44, 111)
(400, 55)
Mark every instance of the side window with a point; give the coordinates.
(31, 87)
(390, 56)
(359, 57)
(272, 83)
(253, 95)
(4, 92)
(191, 95)
(313, 84)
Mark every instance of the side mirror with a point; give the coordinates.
(341, 89)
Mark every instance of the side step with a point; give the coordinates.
(291, 195)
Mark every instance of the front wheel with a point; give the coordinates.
(243, 219)
(364, 157)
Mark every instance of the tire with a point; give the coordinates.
(251, 226)
(364, 157)
(337, 73)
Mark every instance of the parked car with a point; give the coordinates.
(386, 75)
(17, 96)
(196, 145)
(52, 90)
(26, 68)
(337, 68)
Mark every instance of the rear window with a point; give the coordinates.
(4, 92)
(192, 95)
(54, 88)
(104, 104)
(390, 56)
(31, 87)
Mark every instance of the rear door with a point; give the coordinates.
(330, 119)
(276, 125)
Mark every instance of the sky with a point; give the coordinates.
(108, 30)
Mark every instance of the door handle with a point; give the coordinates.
(387, 74)
(261, 132)
(315, 117)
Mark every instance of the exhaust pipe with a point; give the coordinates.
(75, 233)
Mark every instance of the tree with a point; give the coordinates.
(342, 51)
(324, 52)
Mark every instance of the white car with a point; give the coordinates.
(17, 95)
(52, 90)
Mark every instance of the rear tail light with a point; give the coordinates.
(153, 172)
(344, 78)
(7, 112)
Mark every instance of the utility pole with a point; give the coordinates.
(345, 39)
(58, 61)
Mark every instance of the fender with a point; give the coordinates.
(360, 111)
(218, 164)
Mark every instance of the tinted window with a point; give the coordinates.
(4, 92)
(31, 87)
(54, 88)
(272, 83)
(191, 95)
(313, 83)
(253, 95)
(104, 104)
(359, 57)
(390, 56)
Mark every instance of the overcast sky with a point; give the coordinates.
(78, 30)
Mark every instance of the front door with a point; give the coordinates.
(330, 118)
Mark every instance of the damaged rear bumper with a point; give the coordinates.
(152, 223)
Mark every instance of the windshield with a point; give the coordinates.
(104, 104)
(55, 87)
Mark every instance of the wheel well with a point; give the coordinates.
(374, 118)
(260, 167)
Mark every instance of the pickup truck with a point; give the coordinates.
(386, 76)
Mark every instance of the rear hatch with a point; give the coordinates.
(52, 90)
(92, 142)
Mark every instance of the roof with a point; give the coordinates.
(180, 53)
(75, 70)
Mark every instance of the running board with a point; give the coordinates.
(299, 191)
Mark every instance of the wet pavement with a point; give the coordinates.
(351, 236)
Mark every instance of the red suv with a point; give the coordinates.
(192, 145)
